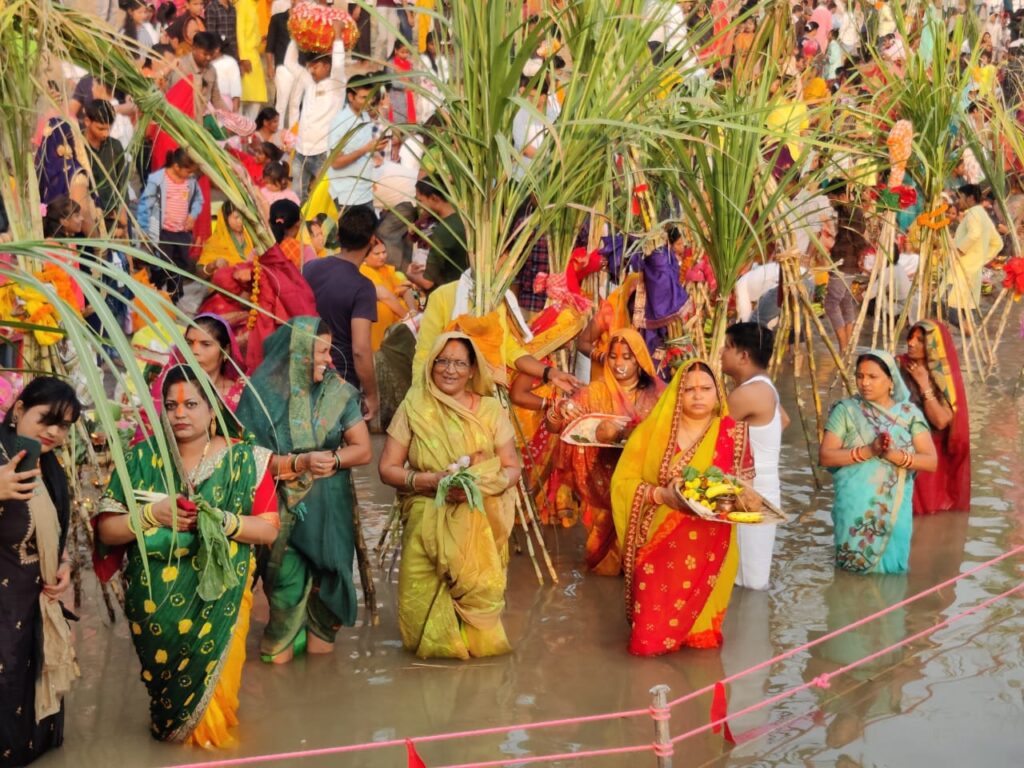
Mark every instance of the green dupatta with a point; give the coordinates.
(288, 412)
(181, 640)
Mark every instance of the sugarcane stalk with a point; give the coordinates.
(524, 501)
(363, 557)
(791, 298)
(994, 361)
(1003, 294)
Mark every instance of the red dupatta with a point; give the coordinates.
(182, 96)
(948, 488)
(404, 65)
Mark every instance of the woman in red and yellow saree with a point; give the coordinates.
(188, 578)
(679, 568)
(582, 476)
(931, 371)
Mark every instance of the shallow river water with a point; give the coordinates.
(955, 697)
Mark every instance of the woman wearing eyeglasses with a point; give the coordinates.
(451, 582)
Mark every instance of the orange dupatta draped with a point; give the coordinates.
(679, 569)
(583, 476)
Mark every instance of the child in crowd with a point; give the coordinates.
(277, 184)
(168, 209)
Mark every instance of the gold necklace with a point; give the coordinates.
(689, 438)
(202, 457)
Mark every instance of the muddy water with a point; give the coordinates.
(946, 700)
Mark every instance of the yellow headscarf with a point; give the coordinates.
(647, 457)
(447, 429)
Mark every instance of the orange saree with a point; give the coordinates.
(582, 476)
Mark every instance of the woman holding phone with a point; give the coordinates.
(34, 571)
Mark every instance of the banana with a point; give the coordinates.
(719, 489)
(745, 517)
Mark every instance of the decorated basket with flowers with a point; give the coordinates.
(312, 27)
(721, 498)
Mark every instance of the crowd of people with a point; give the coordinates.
(359, 318)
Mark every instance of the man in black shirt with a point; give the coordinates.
(347, 301)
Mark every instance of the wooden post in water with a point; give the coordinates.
(661, 715)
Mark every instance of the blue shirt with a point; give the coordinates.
(353, 184)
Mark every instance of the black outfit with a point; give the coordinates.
(22, 740)
(278, 37)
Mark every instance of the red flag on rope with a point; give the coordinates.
(719, 711)
(415, 761)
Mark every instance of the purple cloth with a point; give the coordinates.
(56, 164)
(614, 248)
(665, 294)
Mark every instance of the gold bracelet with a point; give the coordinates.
(149, 518)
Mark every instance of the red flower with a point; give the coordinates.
(1014, 280)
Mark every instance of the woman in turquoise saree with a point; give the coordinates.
(874, 443)
(302, 410)
(188, 596)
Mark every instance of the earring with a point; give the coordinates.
(213, 429)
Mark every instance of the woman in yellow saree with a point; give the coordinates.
(451, 582)
(679, 569)
(392, 292)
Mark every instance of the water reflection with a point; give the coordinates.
(944, 700)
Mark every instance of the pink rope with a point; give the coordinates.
(860, 622)
(563, 756)
(501, 729)
(822, 681)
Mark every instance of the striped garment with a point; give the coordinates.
(175, 205)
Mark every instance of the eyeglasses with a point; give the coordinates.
(444, 363)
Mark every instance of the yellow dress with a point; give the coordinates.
(452, 577)
(254, 84)
(387, 277)
(221, 245)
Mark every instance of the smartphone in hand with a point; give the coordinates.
(32, 449)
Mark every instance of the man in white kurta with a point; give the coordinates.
(977, 242)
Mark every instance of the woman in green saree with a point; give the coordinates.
(302, 410)
(874, 443)
(188, 597)
(451, 582)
